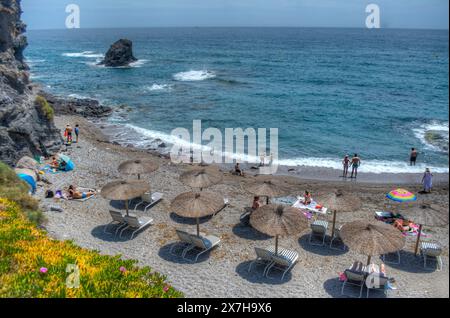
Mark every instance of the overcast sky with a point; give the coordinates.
(422, 14)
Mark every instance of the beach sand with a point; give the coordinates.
(223, 272)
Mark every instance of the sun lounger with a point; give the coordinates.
(377, 281)
(150, 199)
(185, 243)
(319, 228)
(284, 261)
(431, 250)
(117, 219)
(337, 237)
(263, 257)
(136, 224)
(201, 244)
(355, 276)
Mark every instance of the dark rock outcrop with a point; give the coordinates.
(119, 54)
(77, 106)
(25, 129)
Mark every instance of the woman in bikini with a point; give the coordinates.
(74, 194)
(308, 198)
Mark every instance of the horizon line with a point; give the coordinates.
(236, 27)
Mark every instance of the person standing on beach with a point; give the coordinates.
(427, 181)
(77, 132)
(413, 157)
(345, 163)
(68, 134)
(356, 162)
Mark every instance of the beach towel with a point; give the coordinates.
(391, 218)
(312, 207)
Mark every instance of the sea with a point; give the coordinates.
(329, 91)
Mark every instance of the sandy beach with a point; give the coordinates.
(223, 272)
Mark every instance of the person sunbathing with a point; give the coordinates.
(256, 203)
(308, 198)
(54, 164)
(74, 194)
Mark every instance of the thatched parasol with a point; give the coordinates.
(338, 201)
(201, 178)
(371, 238)
(197, 205)
(426, 214)
(278, 220)
(138, 166)
(125, 190)
(268, 188)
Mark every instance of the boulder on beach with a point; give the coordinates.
(119, 54)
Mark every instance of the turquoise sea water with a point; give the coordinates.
(329, 91)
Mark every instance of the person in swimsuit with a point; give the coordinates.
(345, 163)
(77, 132)
(54, 164)
(75, 194)
(256, 203)
(413, 157)
(308, 198)
(356, 162)
(238, 170)
(68, 133)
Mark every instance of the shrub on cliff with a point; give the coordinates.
(45, 107)
(33, 265)
(13, 188)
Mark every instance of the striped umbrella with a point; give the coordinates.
(401, 195)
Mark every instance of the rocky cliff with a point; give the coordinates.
(26, 127)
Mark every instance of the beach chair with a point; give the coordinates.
(185, 243)
(117, 219)
(319, 228)
(201, 245)
(378, 282)
(431, 250)
(150, 199)
(263, 257)
(337, 237)
(136, 224)
(284, 261)
(355, 276)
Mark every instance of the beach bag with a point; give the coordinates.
(49, 194)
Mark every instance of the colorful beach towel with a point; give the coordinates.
(391, 218)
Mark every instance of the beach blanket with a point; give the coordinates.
(391, 218)
(313, 207)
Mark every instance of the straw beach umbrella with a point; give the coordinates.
(278, 220)
(371, 238)
(138, 166)
(338, 201)
(426, 214)
(201, 178)
(268, 188)
(125, 190)
(197, 205)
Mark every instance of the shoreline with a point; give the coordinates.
(309, 173)
(224, 271)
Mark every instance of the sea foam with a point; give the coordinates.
(194, 76)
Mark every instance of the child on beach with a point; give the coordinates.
(356, 162)
(345, 163)
(68, 134)
(413, 157)
(77, 132)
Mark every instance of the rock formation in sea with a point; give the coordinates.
(26, 122)
(119, 54)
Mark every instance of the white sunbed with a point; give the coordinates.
(117, 219)
(185, 243)
(201, 244)
(263, 257)
(284, 261)
(136, 224)
(150, 199)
